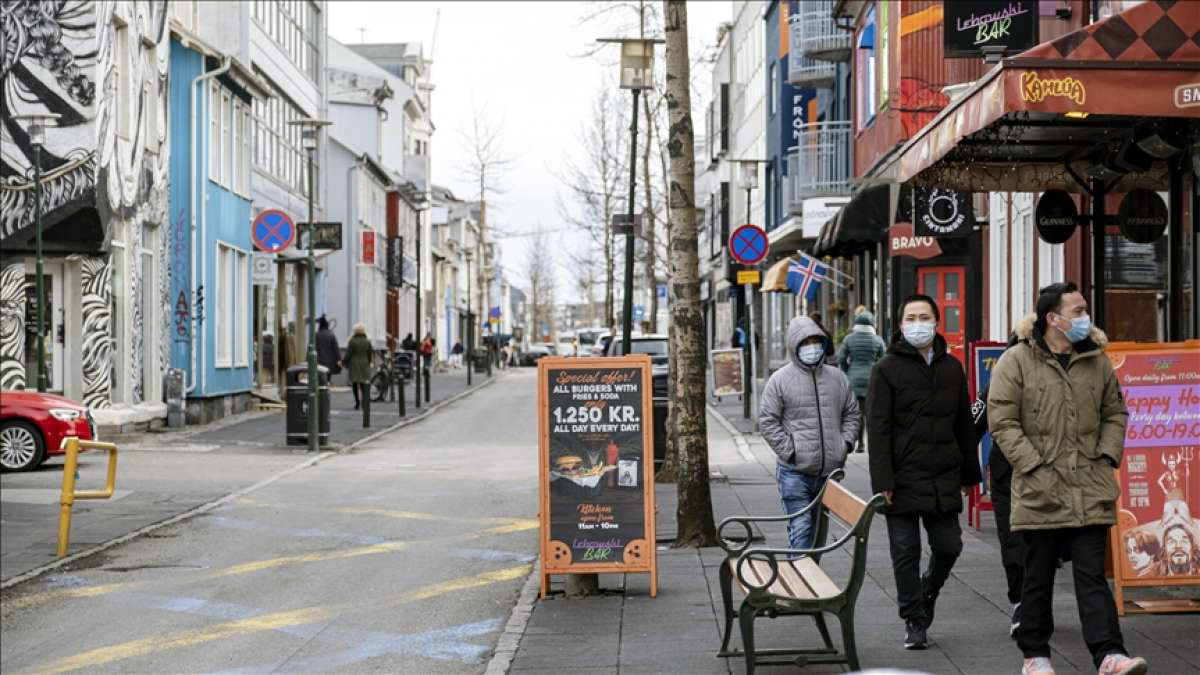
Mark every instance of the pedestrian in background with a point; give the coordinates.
(359, 358)
(921, 443)
(1055, 406)
(456, 354)
(427, 344)
(860, 350)
(408, 344)
(329, 354)
(809, 416)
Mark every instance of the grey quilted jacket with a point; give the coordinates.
(808, 414)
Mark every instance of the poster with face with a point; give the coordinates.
(1160, 479)
(596, 462)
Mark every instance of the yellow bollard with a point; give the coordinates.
(69, 495)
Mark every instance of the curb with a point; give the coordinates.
(739, 439)
(514, 630)
(208, 506)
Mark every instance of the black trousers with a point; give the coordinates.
(357, 387)
(862, 409)
(904, 540)
(1012, 544)
(1097, 611)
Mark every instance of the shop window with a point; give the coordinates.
(867, 89)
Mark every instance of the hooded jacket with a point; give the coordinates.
(920, 430)
(808, 414)
(1063, 430)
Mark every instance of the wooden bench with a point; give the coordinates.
(786, 582)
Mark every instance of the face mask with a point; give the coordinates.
(811, 354)
(1080, 327)
(919, 334)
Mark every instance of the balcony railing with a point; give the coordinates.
(806, 72)
(819, 38)
(819, 164)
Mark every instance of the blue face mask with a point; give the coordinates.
(1080, 327)
(810, 354)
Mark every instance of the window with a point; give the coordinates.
(882, 65)
(294, 25)
(279, 153)
(230, 320)
(772, 92)
(226, 136)
(241, 148)
(865, 72)
(214, 131)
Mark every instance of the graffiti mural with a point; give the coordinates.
(48, 66)
(96, 283)
(12, 327)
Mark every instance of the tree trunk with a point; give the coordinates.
(648, 233)
(694, 515)
(609, 270)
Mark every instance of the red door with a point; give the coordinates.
(945, 285)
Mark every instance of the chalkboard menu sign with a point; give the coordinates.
(970, 25)
(596, 467)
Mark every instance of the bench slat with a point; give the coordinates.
(820, 583)
(843, 503)
(794, 581)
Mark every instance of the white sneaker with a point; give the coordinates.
(1120, 664)
(1038, 665)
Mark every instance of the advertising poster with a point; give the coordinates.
(727, 372)
(1159, 518)
(597, 466)
(984, 356)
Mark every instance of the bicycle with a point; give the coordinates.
(396, 369)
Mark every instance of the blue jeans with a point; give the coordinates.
(797, 490)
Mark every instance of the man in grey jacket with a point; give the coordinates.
(809, 416)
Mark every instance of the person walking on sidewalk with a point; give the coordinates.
(329, 354)
(359, 358)
(921, 445)
(456, 354)
(809, 416)
(1055, 406)
(860, 350)
(427, 351)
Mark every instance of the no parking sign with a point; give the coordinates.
(273, 231)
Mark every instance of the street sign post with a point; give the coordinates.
(748, 244)
(748, 277)
(273, 231)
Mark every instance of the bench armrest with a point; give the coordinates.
(732, 548)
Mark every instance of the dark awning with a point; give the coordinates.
(862, 223)
(1089, 99)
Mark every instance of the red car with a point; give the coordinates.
(33, 426)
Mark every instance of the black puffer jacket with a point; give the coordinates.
(922, 436)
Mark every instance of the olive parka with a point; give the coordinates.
(359, 358)
(920, 430)
(1063, 431)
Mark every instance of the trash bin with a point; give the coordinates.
(174, 396)
(481, 361)
(297, 405)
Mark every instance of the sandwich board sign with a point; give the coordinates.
(596, 467)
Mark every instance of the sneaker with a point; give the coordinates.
(1038, 665)
(930, 600)
(914, 635)
(1120, 664)
(1016, 623)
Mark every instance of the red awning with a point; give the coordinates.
(1038, 120)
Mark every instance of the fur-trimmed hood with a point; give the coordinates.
(1025, 330)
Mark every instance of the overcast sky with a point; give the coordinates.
(518, 62)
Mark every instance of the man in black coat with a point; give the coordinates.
(922, 457)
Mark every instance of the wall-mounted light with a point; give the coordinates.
(1076, 115)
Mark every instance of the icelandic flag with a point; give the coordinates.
(804, 277)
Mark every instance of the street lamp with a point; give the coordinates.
(310, 128)
(468, 256)
(36, 125)
(637, 73)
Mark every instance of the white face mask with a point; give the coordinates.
(919, 333)
(810, 354)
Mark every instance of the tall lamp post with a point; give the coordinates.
(468, 256)
(36, 125)
(637, 73)
(310, 128)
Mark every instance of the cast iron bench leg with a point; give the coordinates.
(726, 580)
(746, 618)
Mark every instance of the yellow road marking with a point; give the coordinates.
(437, 517)
(274, 621)
(510, 526)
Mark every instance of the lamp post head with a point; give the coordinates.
(35, 124)
(637, 61)
(748, 174)
(310, 127)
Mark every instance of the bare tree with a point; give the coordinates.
(582, 266)
(539, 276)
(486, 160)
(694, 516)
(593, 186)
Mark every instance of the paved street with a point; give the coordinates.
(403, 555)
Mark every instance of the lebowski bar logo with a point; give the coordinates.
(1035, 90)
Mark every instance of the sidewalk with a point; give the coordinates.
(627, 631)
(163, 475)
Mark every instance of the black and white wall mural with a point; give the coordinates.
(102, 67)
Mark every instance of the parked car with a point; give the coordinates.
(656, 346)
(536, 351)
(565, 349)
(33, 426)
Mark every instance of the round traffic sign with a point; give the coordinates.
(748, 244)
(273, 231)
